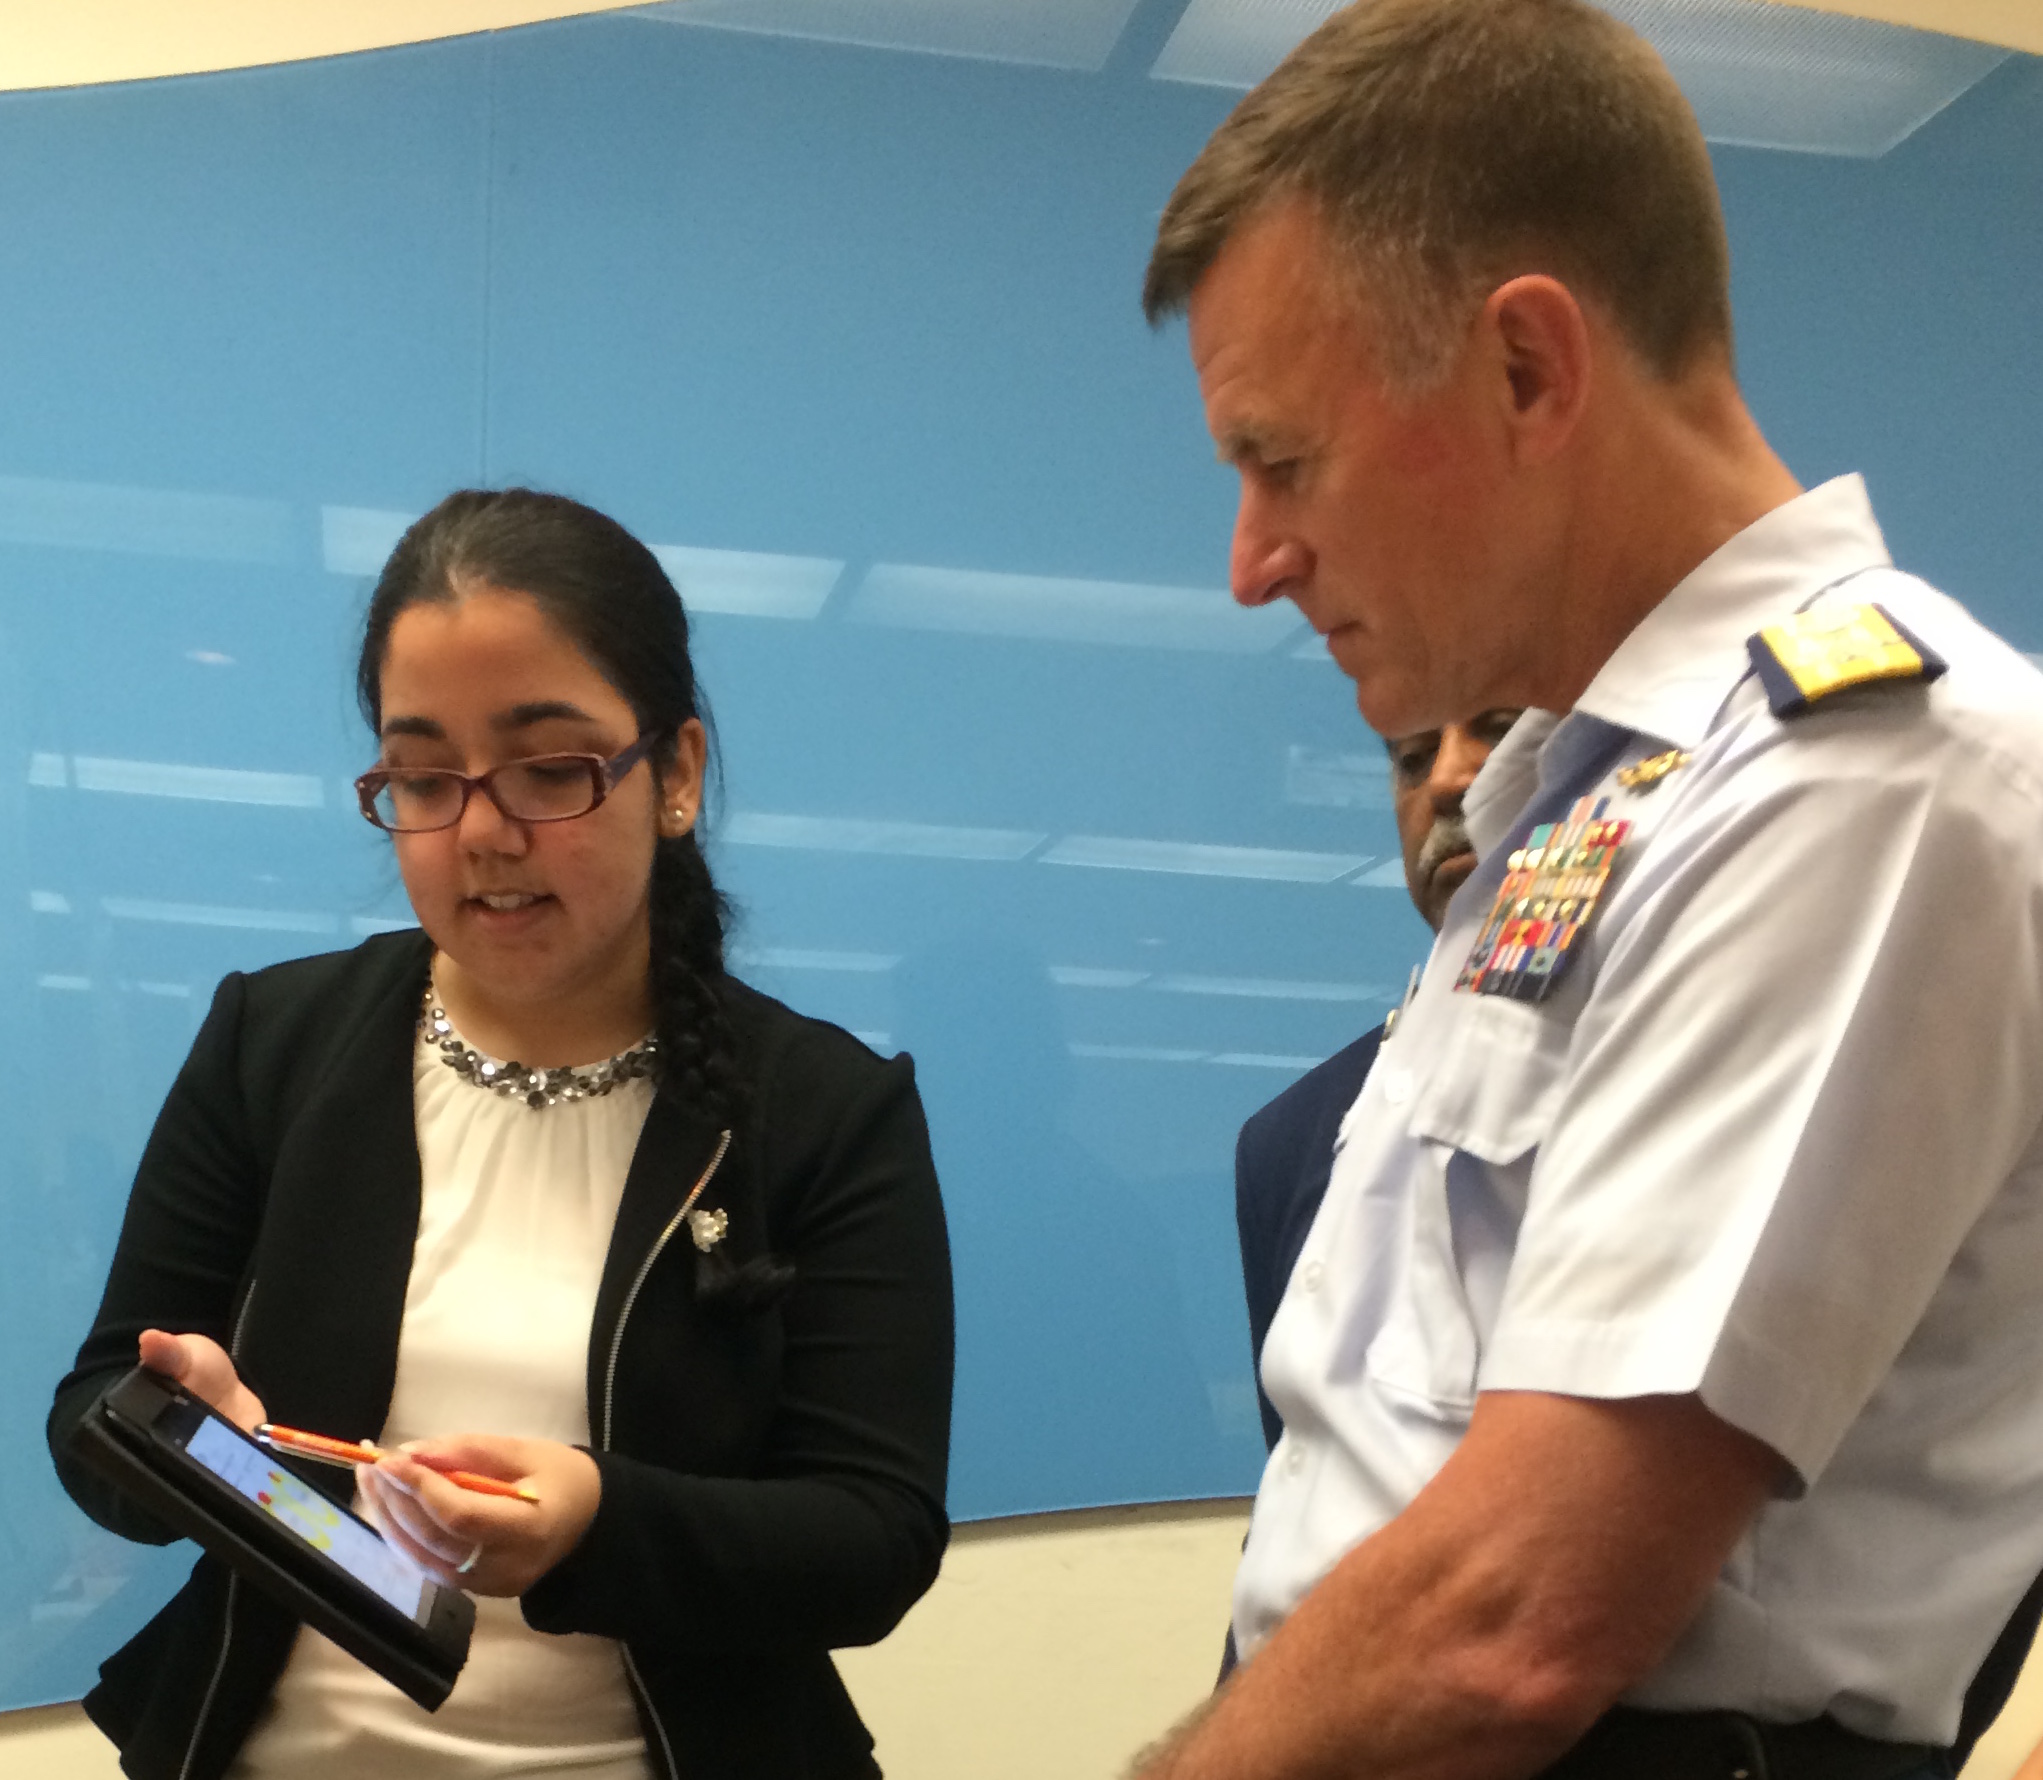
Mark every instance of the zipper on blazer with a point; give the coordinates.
(609, 1399)
(240, 1323)
(191, 1753)
(645, 1699)
(639, 1279)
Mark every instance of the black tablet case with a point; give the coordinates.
(422, 1660)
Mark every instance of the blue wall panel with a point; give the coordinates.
(1890, 319)
(226, 304)
(852, 334)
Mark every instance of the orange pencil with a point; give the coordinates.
(329, 1451)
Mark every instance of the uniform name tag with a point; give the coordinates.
(1550, 890)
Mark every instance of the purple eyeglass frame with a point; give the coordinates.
(604, 777)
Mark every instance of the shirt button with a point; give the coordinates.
(1311, 1276)
(1296, 1462)
(1397, 1086)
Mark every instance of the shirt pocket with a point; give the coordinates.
(1477, 1111)
(1495, 1084)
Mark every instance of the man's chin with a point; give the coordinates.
(1387, 707)
(1384, 704)
(1448, 877)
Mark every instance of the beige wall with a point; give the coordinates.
(2016, 23)
(62, 43)
(51, 43)
(1054, 1646)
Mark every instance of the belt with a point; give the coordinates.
(1629, 1744)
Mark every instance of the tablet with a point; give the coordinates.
(200, 1473)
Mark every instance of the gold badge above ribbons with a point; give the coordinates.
(1643, 775)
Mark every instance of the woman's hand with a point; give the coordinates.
(489, 1545)
(203, 1367)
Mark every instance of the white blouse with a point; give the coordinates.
(515, 1217)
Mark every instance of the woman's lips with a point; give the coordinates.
(507, 910)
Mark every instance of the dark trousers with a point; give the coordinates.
(1628, 1744)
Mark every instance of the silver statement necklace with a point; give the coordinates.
(536, 1087)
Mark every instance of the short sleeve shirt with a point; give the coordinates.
(1772, 1140)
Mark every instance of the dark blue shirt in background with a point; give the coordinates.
(1282, 1162)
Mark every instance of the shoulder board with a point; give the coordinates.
(1804, 659)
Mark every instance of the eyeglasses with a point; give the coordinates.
(546, 788)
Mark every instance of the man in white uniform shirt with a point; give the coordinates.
(1662, 1379)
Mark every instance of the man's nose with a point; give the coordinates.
(1456, 762)
(1265, 564)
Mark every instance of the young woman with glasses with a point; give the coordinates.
(539, 1191)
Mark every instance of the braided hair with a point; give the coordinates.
(608, 592)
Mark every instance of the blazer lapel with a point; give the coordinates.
(334, 1259)
(675, 1147)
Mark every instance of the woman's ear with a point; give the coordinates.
(680, 781)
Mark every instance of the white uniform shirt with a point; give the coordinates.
(515, 1214)
(1773, 1139)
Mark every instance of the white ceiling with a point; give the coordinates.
(1048, 33)
(1759, 75)
(63, 43)
(46, 43)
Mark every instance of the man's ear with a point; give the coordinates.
(1542, 348)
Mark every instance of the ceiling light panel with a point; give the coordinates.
(1200, 860)
(193, 914)
(1048, 608)
(159, 778)
(848, 834)
(143, 521)
(1759, 74)
(1770, 76)
(748, 583)
(1234, 43)
(1047, 33)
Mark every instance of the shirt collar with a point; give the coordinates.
(1505, 783)
(1671, 675)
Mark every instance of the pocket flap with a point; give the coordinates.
(1495, 1089)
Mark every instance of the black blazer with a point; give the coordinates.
(772, 1450)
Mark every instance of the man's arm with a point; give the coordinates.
(1550, 1565)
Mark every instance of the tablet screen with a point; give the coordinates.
(246, 1468)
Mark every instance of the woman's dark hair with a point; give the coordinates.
(608, 592)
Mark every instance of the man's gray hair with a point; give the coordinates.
(1448, 145)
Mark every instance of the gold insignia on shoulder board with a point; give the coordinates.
(1804, 659)
(1643, 775)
